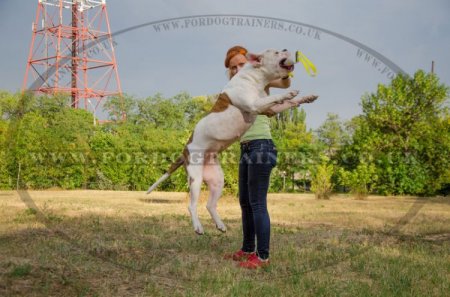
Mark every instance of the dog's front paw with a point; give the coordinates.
(288, 96)
(308, 99)
(291, 94)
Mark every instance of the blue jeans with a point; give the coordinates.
(258, 157)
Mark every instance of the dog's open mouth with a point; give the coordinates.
(287, 64)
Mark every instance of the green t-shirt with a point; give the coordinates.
(259, 130)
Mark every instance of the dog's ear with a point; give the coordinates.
(254, 59)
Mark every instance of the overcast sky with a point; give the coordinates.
(410, 33)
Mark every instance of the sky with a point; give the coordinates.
(409, 33)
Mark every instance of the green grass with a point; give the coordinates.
(112, 244)
(20, 270)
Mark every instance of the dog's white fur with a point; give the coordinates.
(225, 125)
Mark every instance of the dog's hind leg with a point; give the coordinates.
(195, 176)
(213, 177)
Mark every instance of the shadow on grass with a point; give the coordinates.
(177, 230)
(103, 253)
(162, 201)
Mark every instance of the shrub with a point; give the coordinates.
(321, 184)
(359, 180)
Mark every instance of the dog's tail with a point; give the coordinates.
(175, 165)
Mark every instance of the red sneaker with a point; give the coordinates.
(239, 256)
(254, 262)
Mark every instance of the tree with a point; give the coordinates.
(332, 134)
(297, 149)
(5, 178)
(120, 105)
(405, 133)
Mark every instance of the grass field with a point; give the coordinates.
(102, 243)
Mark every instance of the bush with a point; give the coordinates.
(321, 184)
(359, 180)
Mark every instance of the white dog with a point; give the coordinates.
(242, 99)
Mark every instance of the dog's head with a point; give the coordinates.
(274, 63)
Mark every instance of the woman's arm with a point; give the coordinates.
(281, 83)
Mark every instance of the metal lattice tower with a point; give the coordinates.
(72, 52)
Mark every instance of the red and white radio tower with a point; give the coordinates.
(72, 52)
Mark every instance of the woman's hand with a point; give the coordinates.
(281, 83)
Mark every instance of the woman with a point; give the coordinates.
(258, 157)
